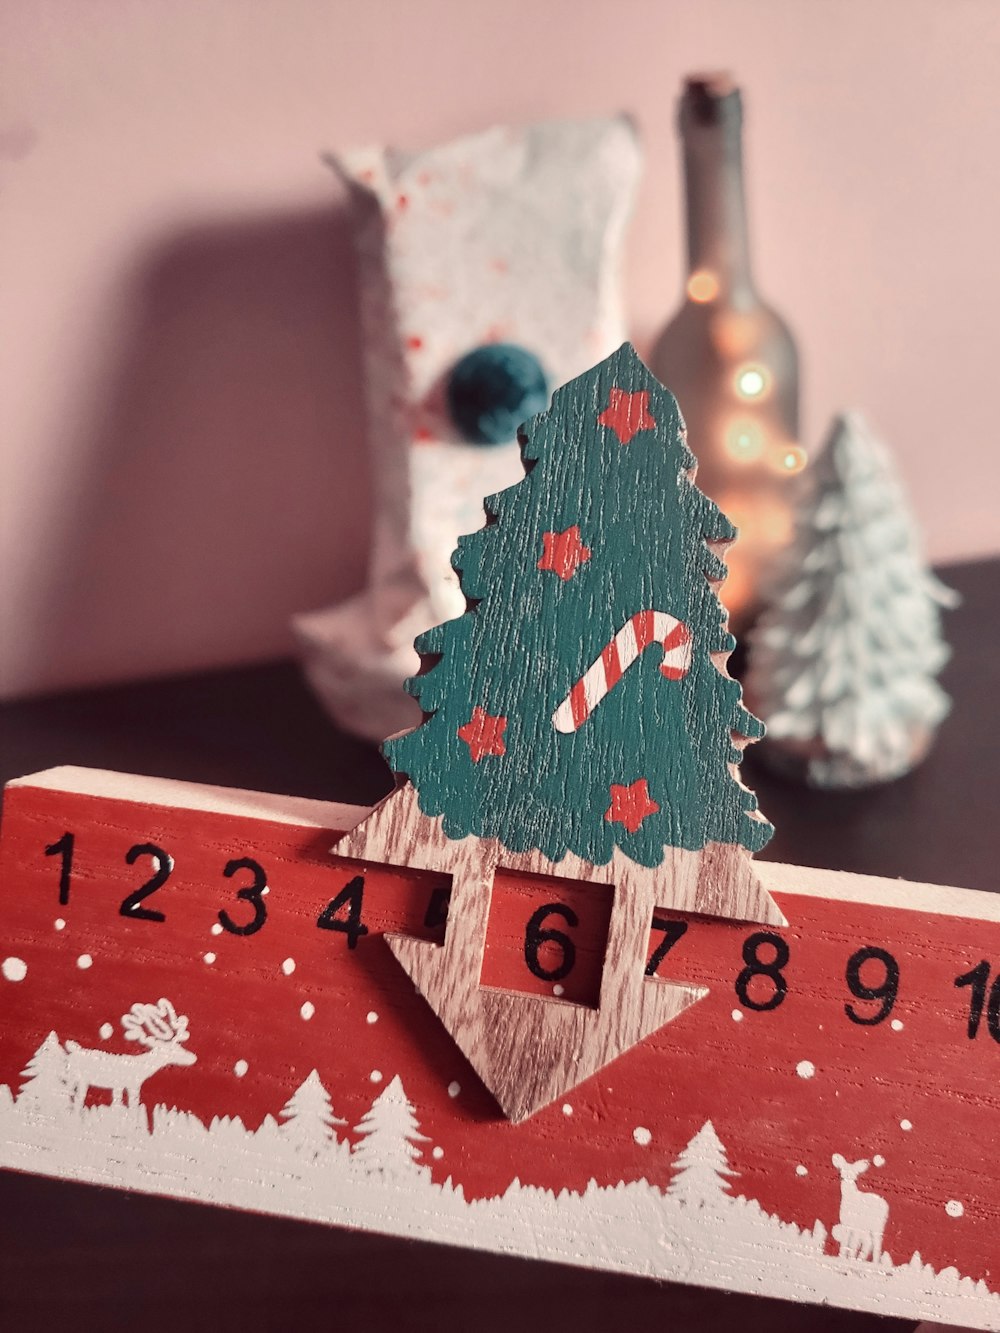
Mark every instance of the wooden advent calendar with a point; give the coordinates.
(542, 1000)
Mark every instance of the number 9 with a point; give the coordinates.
(886, 992)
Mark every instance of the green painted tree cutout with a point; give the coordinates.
(547, 724)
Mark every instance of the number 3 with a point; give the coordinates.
(252, 894)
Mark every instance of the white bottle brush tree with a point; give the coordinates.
(844, 658)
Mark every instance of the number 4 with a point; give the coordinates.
(351, 897)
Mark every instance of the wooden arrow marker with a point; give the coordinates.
(529, 1050)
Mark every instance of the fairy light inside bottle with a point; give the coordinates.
(745, 440)
(751, 381)
(792, 458)
(703, 286)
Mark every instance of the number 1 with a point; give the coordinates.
(63, 848)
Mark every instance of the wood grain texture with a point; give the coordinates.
(529, 1051)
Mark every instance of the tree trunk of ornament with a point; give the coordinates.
(489, 273)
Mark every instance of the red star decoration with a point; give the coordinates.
(563, 552)
(627, 414)
(483, 734)
(630, 805)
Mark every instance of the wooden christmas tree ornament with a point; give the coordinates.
(554, 745)
(634, 1048)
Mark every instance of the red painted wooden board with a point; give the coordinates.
(844, 1034)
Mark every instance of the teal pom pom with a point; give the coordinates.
(493, 389)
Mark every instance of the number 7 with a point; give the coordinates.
(672, 932)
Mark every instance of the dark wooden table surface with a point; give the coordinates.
(82, 1258)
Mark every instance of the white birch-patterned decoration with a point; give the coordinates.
(489, 276)
(844, 659)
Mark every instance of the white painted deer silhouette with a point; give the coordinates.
(862, 1215)
(154, 1025)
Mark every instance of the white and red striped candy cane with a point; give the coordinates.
(642, 629)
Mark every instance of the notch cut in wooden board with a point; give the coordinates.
(349, 1104)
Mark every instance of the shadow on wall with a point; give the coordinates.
(223, 483)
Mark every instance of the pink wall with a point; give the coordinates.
(182, 464)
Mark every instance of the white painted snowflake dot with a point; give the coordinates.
(437, 1154)
(954, 1208)
(14, 969)
(240, 1068)
(59, 923)
(805, 1069)
(737, 1015)
(906, 1124)
(288, 966)
(107, 1031)
(567, 1109)
(217, 928)
(307, 1010)
(454, 1089)
(210, 958)
(878, 1160)
(896, 1025)
(801, 1170)
(266, 889)
(642, 1136)
(371, 1016)
(84, 961)
(558, 990)
(376, 1076)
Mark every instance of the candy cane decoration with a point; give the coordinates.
(642, 629)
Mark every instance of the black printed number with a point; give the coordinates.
(64, 849)
(348, 901)
(252, 894)
(885, 992)
(978, 979)
(672, 932)
(758, 967)
(132, 906)
(437, 909)
(535, 937)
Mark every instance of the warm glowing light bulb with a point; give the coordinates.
(745, 440)
(751, 381)
(703, 286)
(792, 458)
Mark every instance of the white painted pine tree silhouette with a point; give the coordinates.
(309, 1119)
(45, 1088)
(701, 1170)
(390, 1132)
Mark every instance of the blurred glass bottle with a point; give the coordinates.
(728, 357)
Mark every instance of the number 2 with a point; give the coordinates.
(132, 905)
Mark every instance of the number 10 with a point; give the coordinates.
(977, 978)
